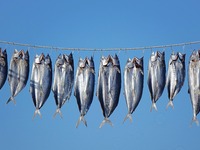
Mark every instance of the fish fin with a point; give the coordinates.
(153, 106)
(170, 104)
(58, 111)
(11, 99)
(194, 119)
(81, 118)
(37, 111)
(106, 120)
(128, 116)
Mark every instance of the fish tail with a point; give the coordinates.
(194, 119)
(128, 116)
(37, 112)
(58, 111)
(81, 118)
(106, 120)
(11, 99)
(153, 106)
(170, 104)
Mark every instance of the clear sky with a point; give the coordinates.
(99, 24)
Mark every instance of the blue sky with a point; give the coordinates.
(99, 24)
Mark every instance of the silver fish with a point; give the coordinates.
(175, 76)
(109, 86)
(3, 67)
(63, 80)
(41, 79)
(18, 73)
(84, 87)
(194, 83)
(133, 84)
(156, 76)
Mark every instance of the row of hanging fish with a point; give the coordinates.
(108, 84)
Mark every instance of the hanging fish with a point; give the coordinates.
(41, 80)
(3, 67)
(133, 84)
(175, 76)
(84, 87)
(194, 83)
(18, 73)
(109, 86)
(156, 76)
(63, 80)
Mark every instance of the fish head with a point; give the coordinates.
(3, 54)
(194, 57)
(69, 59)
(39, 58)
(90, 62)
(105, 61)
(153, 57)
(59, 60)
(129, 63)
(181, 57)
(161, 55)
(82, 63)
(47, 60)
(139, 61)
(26, 55)
(115, 60)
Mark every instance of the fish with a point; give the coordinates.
(41, 80)
(156, 76)
(175, 76)
(84, 87)
(3, 67)
(133, 84)
(194, 83)
(18, 73)
(109, 86)
(63, 80)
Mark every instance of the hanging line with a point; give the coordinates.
(98, 49)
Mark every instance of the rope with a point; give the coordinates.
(98, 49)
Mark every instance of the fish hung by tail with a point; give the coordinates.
(37, 112)
(128, 116)
(11, 99)
(106, 120)
(58, 111)
(81, 118)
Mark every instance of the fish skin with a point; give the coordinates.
(133, 84)
(18, 73)
(194, 83)
(156, 76)
(63, 80)
(175, 76)
(84, 87)
(109, 86)
(3, 67)
(41, 80)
